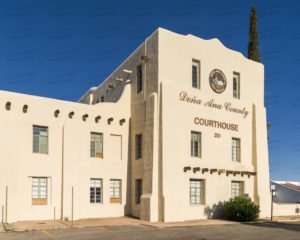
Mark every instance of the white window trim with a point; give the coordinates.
(202, 191)
(199, 135)
(101, 190)
(101, 135)
(197, 63)
(238, 91)
(40, 126)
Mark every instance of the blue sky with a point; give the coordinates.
(59, 49)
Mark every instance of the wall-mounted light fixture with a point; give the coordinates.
(109, 120)
(84, 117)
(71, 114)
(204, 170)
(213, 170)
(56, 113)
(97, 119)
(196, 169)
(25, 108)
(8, 106)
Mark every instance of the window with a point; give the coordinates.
(138, 146)
(236, 149)
(96, 145)
(196, 144)
(39, 191)
(139, 79)
(138, 190)
(40, 139)
(237, 188)
(115, 191)
(197, 191)
(96, 190)
(236, 85)
(196, 74)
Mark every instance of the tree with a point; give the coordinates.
(253, 50)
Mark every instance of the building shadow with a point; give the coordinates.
(215, 212)
(277, 225)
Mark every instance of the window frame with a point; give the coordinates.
(236, 150)
(39, 145)
(138, 191)
(96, 200)
(93, 154)
(193, 198)
(236, 93)
(112, 197)
(40, 199)
(138, 146)
(199, 143)
(196, 63)
(139, 78)
(241, 188)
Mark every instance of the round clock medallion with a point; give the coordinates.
(217, 81)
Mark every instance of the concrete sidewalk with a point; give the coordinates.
(100, 222)
(201, 222)
(287, 218)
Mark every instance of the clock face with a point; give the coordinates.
(217, 81)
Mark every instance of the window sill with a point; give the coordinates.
(44, 154)
(196, 158)
(198, 88)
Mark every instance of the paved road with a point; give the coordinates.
(261, 231)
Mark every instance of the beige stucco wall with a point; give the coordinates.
(175, 58)
(286, 209)
(142, 115)
(165, 123)
(19, 163)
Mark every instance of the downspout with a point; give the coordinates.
(62, 172)
(145, 82)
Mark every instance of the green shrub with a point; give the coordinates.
(240, 209)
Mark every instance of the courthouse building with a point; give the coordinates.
(177, 129)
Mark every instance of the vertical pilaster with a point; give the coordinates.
(149, 199)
